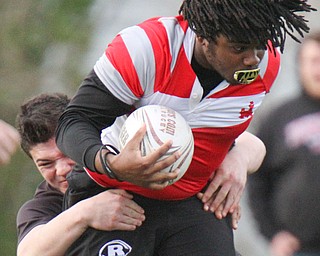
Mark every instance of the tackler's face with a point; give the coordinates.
(238, 63)
(52, 164)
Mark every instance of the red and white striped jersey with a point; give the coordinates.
(151, 64)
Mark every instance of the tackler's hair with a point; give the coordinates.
(38, 119)
(247, 20)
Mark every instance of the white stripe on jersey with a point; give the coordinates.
(210, 112)
(114, 83)
(143, 60)
(264, 64)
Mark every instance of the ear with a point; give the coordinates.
(202, 41)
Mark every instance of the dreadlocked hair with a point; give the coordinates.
(247, 20)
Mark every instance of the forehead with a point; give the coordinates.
(45, 151)
(224, 40)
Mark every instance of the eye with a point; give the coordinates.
(239, 48)
(45, 165)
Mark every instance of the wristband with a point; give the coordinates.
(103, 158)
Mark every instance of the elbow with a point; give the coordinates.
(260, 152)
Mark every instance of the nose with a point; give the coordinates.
(252, 58)
(64, 166)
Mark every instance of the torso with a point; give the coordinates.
(217, 116)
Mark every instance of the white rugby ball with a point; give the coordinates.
(162, 124)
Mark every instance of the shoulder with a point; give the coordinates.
(170, 23)
(44, 206)
(44, 190)
(45, 203)
(158, 31)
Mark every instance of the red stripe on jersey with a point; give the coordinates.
(182, 84)
(255, 87)
(165, 81)
(127, 71)
(211, 143)
(272, 70)
(183, 23)
(161, 50)
(184, 67)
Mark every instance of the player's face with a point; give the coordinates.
(227, 57)
(52, 164)
(310, 68)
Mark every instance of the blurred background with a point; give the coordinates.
(50, 45)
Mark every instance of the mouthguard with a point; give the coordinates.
(246, 76)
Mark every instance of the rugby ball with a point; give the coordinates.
(162, 124)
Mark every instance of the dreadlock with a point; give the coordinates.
(247, 20)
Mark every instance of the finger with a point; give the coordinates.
(220, 197)
(218, 211)
(234, 221)
(121, 192)
(235, 216)
(233, 200)
(155, 155)
(157, 178)
(158, 185)
(130, 205)
(166, 161)
(125, 223)
(134, 211)
(125, 226)
(213, 187)
(159, 182)
(129, 223)
(136, 139)
(207, 204)
(200, 195)
(154, 163)
(230, 202)
(152, 176)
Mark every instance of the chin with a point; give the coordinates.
(63, 186)
(232, 82)
(63, 190)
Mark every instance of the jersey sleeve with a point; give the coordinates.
(92, 109)
(136, 59)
